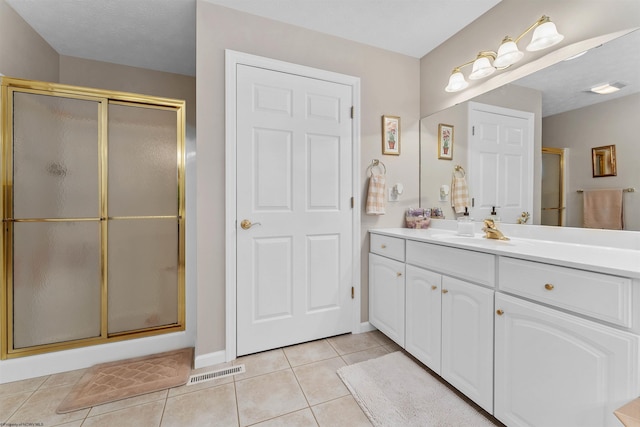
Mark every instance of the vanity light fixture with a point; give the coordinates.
(486, 63)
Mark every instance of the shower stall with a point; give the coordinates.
(93, 216)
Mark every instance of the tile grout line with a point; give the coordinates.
(235, 394)
(164, 408)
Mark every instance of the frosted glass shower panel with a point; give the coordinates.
(143, 274)
(56, 282)
(143, 161)
(55, 147)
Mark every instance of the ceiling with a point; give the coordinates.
(161, 34)
(565, 85)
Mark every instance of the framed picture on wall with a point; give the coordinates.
(391, 135)
(445, 141)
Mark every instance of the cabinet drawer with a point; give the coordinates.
(597, 295)
(473, 266)
(391, 247)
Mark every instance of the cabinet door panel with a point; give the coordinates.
(467, 340)
(422, 335)
(557, 369)
(386, 297)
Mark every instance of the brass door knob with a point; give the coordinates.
(499, 312)
(549, 287)
(246, 224)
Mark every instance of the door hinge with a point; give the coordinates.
(353, 202)
(352, 112)
(473, 202)
(353, 292)
(473, 131)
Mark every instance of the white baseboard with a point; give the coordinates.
(210, 359)
(22, 368)
(367, 327)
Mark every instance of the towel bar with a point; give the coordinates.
(625, 190)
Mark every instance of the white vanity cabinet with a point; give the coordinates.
(449, 322)
(423, 317)
(577, 370)
(386, 286)
(556, 369)
(534, 340)
(467, 339)
(449, 328)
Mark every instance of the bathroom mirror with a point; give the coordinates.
(603, 161)
(558, 125)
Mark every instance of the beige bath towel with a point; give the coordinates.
(375, 195)
(603, 209)
(459, 192)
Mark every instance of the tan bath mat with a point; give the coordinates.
(113, 381)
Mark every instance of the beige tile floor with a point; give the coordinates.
(292, 386)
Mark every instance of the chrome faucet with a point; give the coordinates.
(491, 231)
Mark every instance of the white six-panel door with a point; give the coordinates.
(500, 162)
(294, 185)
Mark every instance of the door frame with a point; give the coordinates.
(563, 199)
(232, 60)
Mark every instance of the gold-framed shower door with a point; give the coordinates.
(103, 98)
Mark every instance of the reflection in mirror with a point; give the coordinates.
(552, 187)
(603, 161)
(568, 116)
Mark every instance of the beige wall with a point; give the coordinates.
(23, 53)
(613, 122)
(575, 19)
(389, 85)
(104, 75)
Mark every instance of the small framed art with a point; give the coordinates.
(391, 135)
(445, 141)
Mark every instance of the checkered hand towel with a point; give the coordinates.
(459, 193)
(375, 195)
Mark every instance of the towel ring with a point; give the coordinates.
(377, 163)
(460, 169)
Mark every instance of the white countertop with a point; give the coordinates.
(602, 259)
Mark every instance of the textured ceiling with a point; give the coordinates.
(154, 34)
(161, 34)
(410, 27)
(565, 85)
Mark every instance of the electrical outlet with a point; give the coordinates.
(393, 196)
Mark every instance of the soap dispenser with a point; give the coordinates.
(465, 224)
(494, 216)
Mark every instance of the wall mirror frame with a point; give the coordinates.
(603, 161)
(510, 90)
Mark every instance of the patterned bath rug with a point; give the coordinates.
(113, 381)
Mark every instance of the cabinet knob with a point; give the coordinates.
(399, 274)
(499, 312)
(549, 287)
(434, 287)
(383, 246)
(444, 291)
